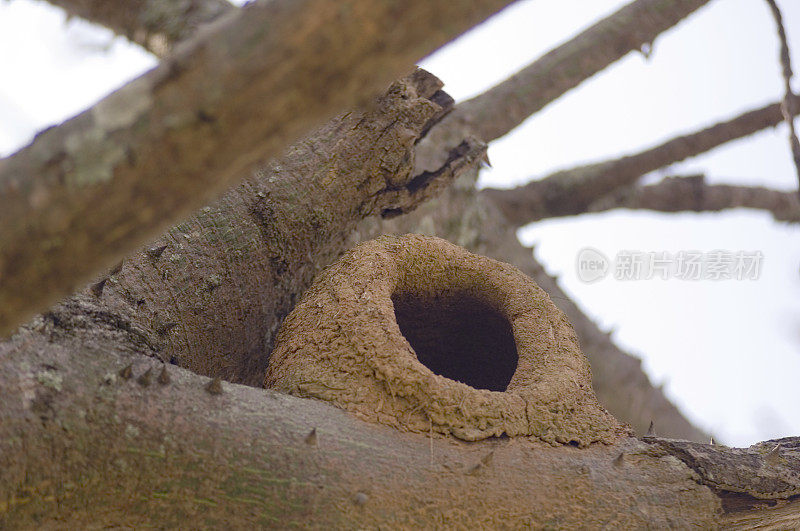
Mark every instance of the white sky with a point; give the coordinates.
(726, 351)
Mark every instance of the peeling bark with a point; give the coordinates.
(117, 175)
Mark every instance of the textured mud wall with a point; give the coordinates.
(420, 334)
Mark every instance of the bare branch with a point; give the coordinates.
(693, 194)
(788, 101)
(88, 191)
(571, 192)
(153, 24)
(503, 107)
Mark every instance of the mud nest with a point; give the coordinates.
(419, 334)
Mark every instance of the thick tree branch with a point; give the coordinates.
(571, 192)
(87, 191)
(693, 194)
(86, 441)
(503, 107)
(153, 24)
(788, 101)
(210, 293)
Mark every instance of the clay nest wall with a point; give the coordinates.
(419, 334)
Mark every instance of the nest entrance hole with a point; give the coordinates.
(460, 337)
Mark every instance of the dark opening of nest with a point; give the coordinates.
(459, 337)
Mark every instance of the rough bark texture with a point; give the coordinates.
(503, 107)
(92, 433)
(571, 192)
(153, 24)
(693, 194)
(89, 437)
(210, 294)
(165, 144)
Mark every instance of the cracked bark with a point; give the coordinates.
(463, 217)
(87, 439)
(210, 294)
(94, 186)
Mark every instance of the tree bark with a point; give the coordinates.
(506, 105)
(460, 216)
(89, 437)
(86, 440)
(210, 294)
(571, 192)
(154, 25)
(95, 186)
(693, 194)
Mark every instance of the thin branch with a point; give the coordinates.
(96, 187)
(693, 194)
(571, 192)
(503, 107)
(787, 105)
(153, 24)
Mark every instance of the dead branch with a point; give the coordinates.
(786, 105)
(693, 194)
(156, 26)
(210, 294)
(571, 192)
(503, 107)
(88, 191)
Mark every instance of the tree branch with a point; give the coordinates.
(503, 107)
(787, 104)
(571, 192)
(693, 194)
(153, 24)
(86, 444)
(210, 294)
(88, 191)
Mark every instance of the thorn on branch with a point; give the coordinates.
(155, 252)
(127, 372)
(144, 379)
(116, 269)
(97, 287)
(619, 460)
(311, 438)
(164, 378)
(214, 387)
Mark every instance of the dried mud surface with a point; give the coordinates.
(422, 335)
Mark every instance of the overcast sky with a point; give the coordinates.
(726, 351)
